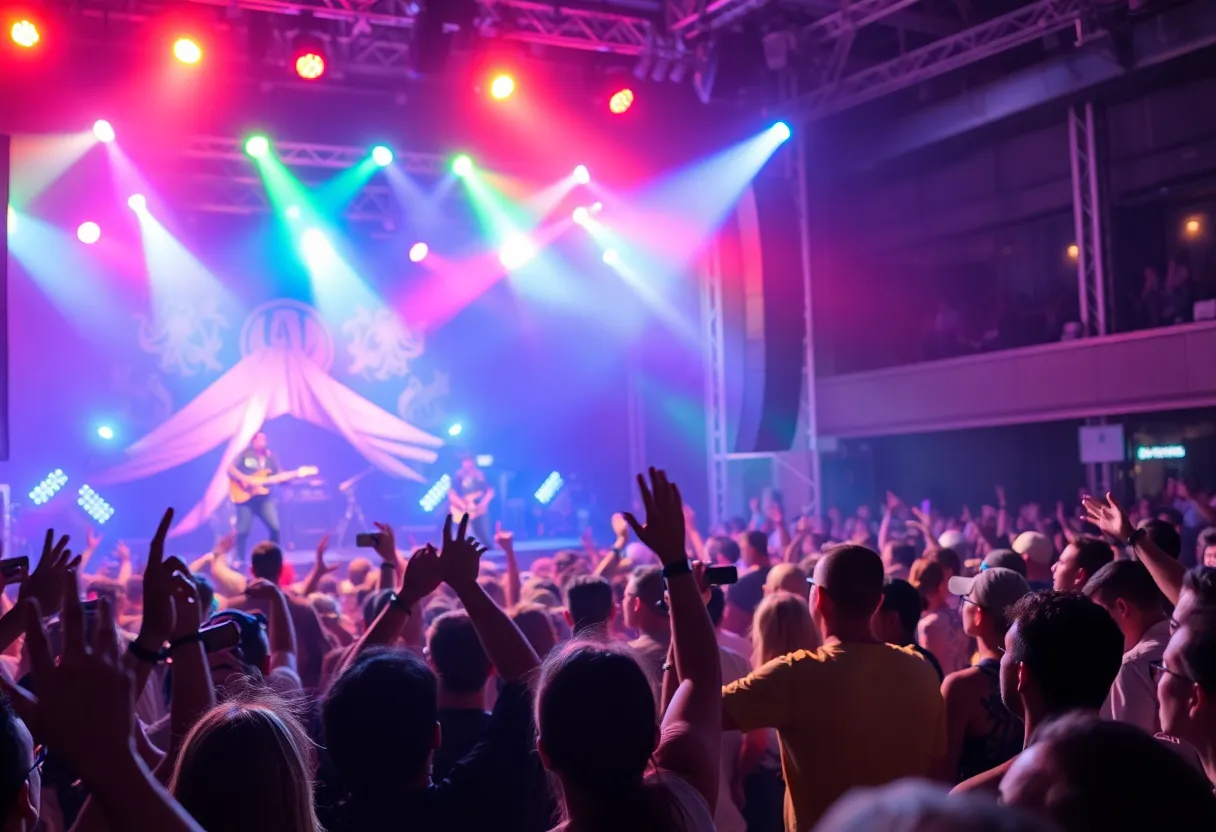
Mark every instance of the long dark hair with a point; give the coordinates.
(596, 713)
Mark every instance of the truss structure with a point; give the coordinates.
(223, 179)
(1024, 25)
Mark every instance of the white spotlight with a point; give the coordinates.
(611, 257)
(103, 131)
(581, 215)
(581, 175)
(516, 252)
(138, 203)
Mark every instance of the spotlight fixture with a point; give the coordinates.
(88, 233)
(549, 488)
(257, 146)
(620, 101)
(436, 494)
(105, 432)
(103, 131)
(49, 487)
(1073, 251)
(516, 252)
(502, 87)
(462, 165)
(308, 56)
(581, 215)
(781, 131)
(581, 175)
(456, 429)
(137, 203)
(93, 504)
(187, 51)
(382, 156)
(24, 33)
(418, 252)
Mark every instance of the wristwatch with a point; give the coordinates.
(398, 602)
(679, 567)
(1136, 536)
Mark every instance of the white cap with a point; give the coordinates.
(1035, 546)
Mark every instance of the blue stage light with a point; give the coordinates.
(382, 156)
(49, 487)
(105, 432)
(436, 494)
(549, 488)
(781, 130)
(484, 460)
(93, 504)
(456, 429)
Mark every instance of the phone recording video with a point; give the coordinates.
(367, 540)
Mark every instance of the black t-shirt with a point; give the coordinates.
(469, 482)
(250, 461)
(462, 729)
(499, 785)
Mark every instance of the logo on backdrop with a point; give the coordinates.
(289, 325)
(185, 337)
(422, 404)
(381, 346)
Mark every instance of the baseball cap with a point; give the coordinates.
(996, 588)
(1035, 546)
(951, 539)
(1005, 559)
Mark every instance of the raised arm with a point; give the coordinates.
(692, 724)
(695, 542)
(607, 567)
(506, 542)
(92, 541)
(319, 569)
(1110, 517)
(281, 631)
(506, 647)
(228, 581)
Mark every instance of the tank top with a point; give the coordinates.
(1002, 741)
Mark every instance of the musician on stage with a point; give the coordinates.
(471, 494)
(256, 459)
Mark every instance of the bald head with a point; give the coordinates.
(851, 577)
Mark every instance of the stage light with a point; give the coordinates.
(611, 257)
(581, 215)
(456, 429)
(310, 65)
(581, 175)
(596, 207)
(187, 51)
(88, 233)
(549, 488)
(49, 487)
(105, 432)
(94, 505)
(1073, 251)
(502, 86)
(1193, 228)
(137, 203)
(484, 460)
(257, 146)
(292, 212)
(382, 156)
(103, 131)
(25, 34)
(781, 130)
(436, 494)
(418, 252)
(516, 251)
(12, 220)
(462, 165)
(314, 245)
(620, 101)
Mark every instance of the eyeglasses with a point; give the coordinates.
(1155, 669)
(967, 600)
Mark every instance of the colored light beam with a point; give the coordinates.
(337, 290)
(39, 160)
(178, 282)
(700, 197)
(333, 197)
(422, 208)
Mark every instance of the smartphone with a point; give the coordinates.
(367, 540)
(220, 637)
(15, 570)
(720, 575)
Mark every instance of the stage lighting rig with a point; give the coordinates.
(621, 101)
(309, 55)
(25, 33)
(187, 51)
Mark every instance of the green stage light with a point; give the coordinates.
(257, 146)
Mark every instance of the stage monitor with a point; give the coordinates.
(8, 222)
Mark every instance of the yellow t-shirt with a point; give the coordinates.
(847, 715)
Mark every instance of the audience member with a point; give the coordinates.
(1164, 536)
(896, 619)
(915, 806)
(854, 693)
(1186, 686)
(1062, 653)
(744, 596)
(646, 615)
(787, 577)
(1037, 552)
(1080, 561)
(716, 605)
(537, 624)
(940, 628)
(21, 772)
(462, 669)
(981, 732)
(1092, 775)
(590, 606)
(1125, 589)
(897, 559)
(1005, 559)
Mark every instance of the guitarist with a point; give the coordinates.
(255, 459)
(471, 494)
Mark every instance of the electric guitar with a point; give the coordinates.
(475, 505)
(262, 480)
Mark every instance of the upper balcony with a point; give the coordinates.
(1158, 369)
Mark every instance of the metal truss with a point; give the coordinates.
(713, 342)
(992, 37)
(224, 179)
(853, 16)
(1089, 217)
(569, 28)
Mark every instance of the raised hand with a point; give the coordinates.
(620, 527)
(122, 551)
(322, 547)
(423, 575)
(386, 545)
(187, 607)
(1000, 495)
(460, 557)
(893, 501)
(158, 588)
(224, 545)
(663, 532)
(1108, 516)
(45, 584)
(504, 539)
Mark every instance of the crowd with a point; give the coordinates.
(998, 671)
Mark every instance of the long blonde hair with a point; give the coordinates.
(246, 766)
(782, 624)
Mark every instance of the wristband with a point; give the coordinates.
(679, 567)
(189, 638)
(1136, 536)
(397, 602)
(146, 655)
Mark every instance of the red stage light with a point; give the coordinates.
(187, 50)
(502, 86)
(25, 33)
(621, 101)
(310, 66)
